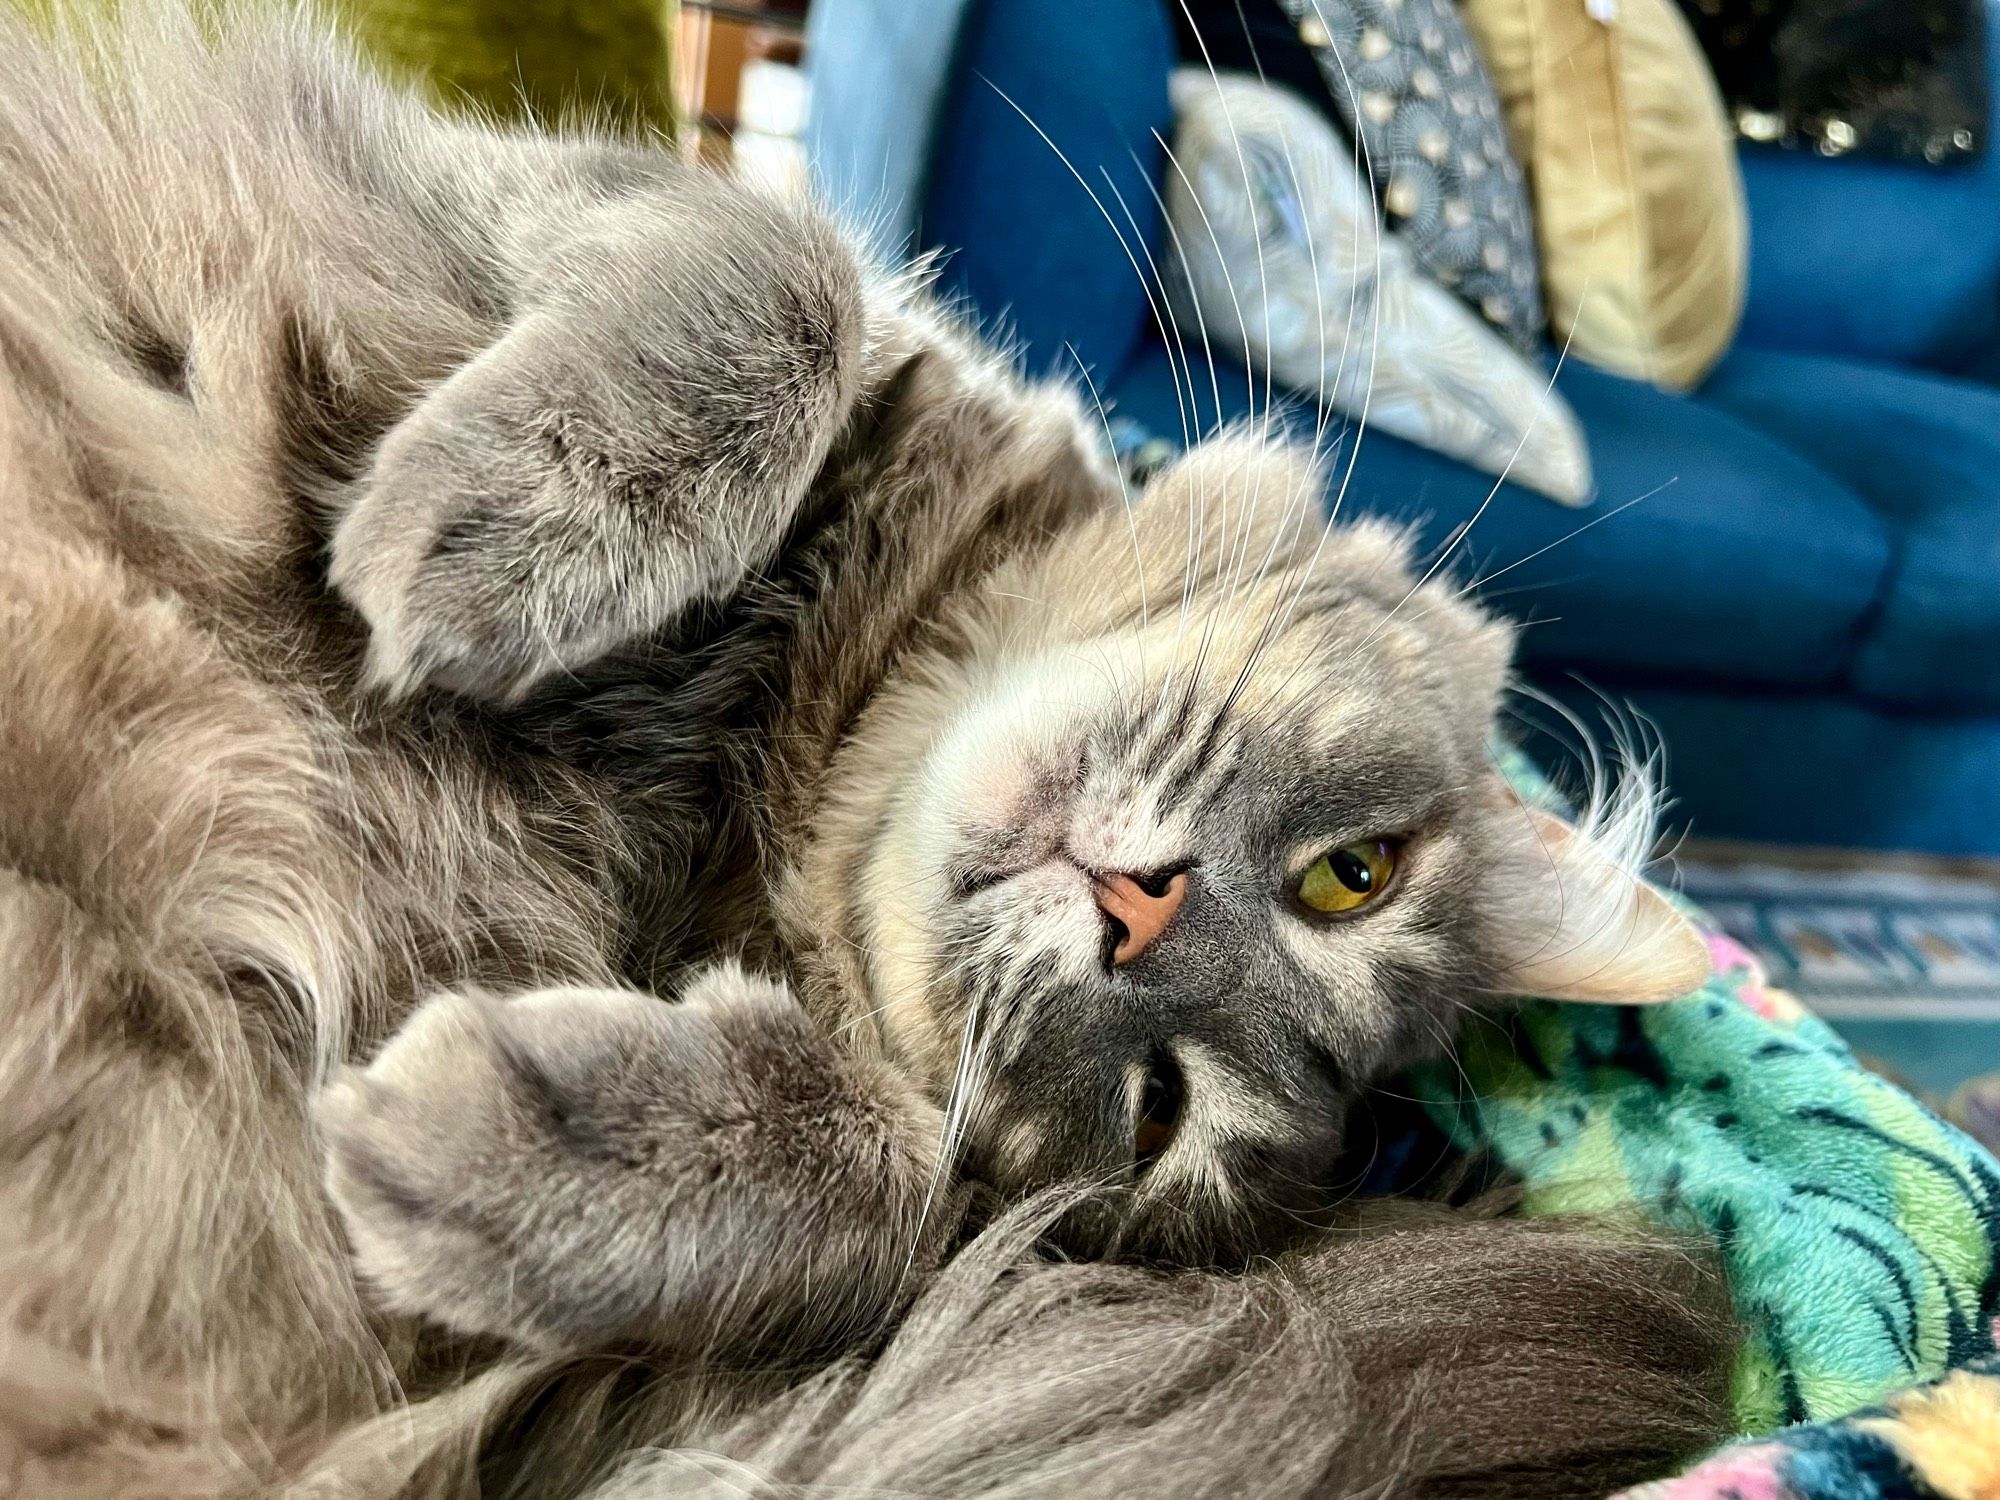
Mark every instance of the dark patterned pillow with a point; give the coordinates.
(1898, 78)
(1408, 81)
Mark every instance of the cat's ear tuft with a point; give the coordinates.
(1574, 921)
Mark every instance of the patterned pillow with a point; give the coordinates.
(1276, 254)
(1408, 79)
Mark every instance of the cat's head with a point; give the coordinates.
(1199, 833)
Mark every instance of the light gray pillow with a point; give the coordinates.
(1276, 253)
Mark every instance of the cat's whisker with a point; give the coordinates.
(1272, 627)
(1242, 323)
(1447, 1049)
(1131, 521)
(957, 969)
(1131, 256)
(1266, 421)
(1548, 389)
(1161, 305)
(1243, 169)
(1212, 611)
(1181, 368)
(1480, 583)
(949, 1134)
(1173, 328)
(1477, 585)
(1172, 331)
(1323, 406)
(1197, 522)
(1364, 167)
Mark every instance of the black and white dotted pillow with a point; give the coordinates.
(1408, 81)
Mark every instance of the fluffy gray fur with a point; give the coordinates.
(1393, 1356)
(463, 584)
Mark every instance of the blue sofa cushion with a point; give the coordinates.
(1030, 243)
(1744, 563)
(1813, 768)
(1924, 451)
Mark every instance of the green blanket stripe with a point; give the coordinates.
(1861, 1234)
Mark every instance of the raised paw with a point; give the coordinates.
(580, 1168)
(637, 442)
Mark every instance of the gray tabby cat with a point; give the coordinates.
(461, 584)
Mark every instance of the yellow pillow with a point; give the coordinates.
(1638, 200)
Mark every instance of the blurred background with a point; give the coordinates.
(1672, 327)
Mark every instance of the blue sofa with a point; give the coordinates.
(1808, 601)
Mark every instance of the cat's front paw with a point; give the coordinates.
(637, 442)
(482, 554)
(577, 1168)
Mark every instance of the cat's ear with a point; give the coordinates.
(1573, 920)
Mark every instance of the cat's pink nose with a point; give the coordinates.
(1140, 907)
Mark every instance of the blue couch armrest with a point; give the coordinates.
(879, 71)
(1016, 135)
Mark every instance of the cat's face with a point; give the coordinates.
(1172, 882)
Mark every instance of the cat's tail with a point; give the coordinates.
(1414, 1351)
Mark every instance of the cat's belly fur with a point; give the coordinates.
(224, 870)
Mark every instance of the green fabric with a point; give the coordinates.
(1860, 1233)
(546, 58)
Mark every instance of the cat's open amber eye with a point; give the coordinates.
(1348, 877)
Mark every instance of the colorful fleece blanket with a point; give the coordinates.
(1860, 1233)
(1936, 1441)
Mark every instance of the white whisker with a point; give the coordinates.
(1131, 524)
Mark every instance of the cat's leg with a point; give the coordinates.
(580, 1168)
(680, 357)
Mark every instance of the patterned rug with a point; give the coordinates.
(1902, 959)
